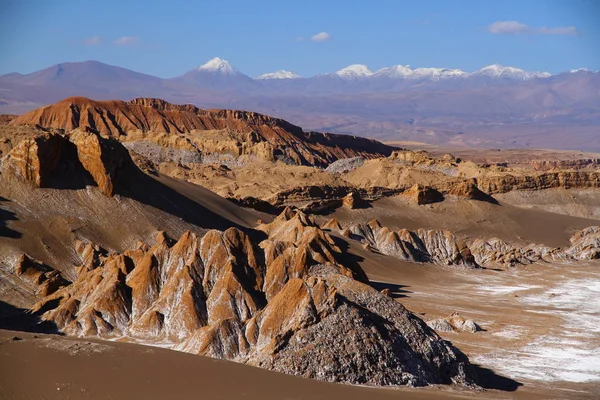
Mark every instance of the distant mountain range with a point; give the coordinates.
(495, 106)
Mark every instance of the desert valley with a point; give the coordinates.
(299, 200)
(237, 236)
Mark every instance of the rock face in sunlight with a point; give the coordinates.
(40, 160)
(444, 247)
(436, 246)
(423, 194)
(585, 244)
(279, 305)
(226, 132)
(454, 322)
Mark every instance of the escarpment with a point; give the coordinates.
(464, 179)
(278, 304)
(209, 132)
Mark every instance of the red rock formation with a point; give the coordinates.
(45, 280)
(221, 296)
(423, 194)
(81, 153)
(279, 138)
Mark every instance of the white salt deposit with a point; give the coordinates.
(569, 352)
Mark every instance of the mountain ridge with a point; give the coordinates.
(496, 107)
(217, 132)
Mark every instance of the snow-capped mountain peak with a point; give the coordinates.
(395, 71)
(438, 73)
(578, 70)
(499, 71)
(218, 65)
(281, 74)
(354, 71)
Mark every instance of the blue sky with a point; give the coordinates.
(169, 38)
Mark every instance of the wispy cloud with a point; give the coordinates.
(127, 40)
(517, 28)
(92, 40)
(321, 37)
(508, 28)
(559, 30)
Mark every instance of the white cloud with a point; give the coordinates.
(517, 28)
(508, 28)
(321, 37)
(92, 40)
(127, 40)
(559, 30)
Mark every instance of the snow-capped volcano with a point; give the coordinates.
(354, 71)
(499, 71)
(218, 65)
(216, 73)
(281, 74)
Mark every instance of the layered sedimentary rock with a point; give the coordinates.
(585, 244)
(444, 247)
(544, 180)
(449, 175)
(279, 305)
(44, 160)
(33, 160)
(435, 246)
(212, 131)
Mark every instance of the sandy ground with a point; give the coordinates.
(49, 367)
(541, 323)
(540, 327)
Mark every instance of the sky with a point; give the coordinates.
(169, 38)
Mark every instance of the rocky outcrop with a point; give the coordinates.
(548, 165)
(454, 323)
(280, 305)
(468, 190)
(547, 180)
(34, 160)
(353, 200)
(44, 279)
(102, 158)
(243, 132)
(295, 243)
(435, 246)
(452, 176)
(497, 252)
(585, 244)
(444, 247)
(423, 194)
(53, 160)
(332, 224)
(345, 165)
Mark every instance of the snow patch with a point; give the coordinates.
(281, 74)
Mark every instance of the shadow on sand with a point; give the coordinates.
(488, 379)
(397, 291)
(19, 319)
